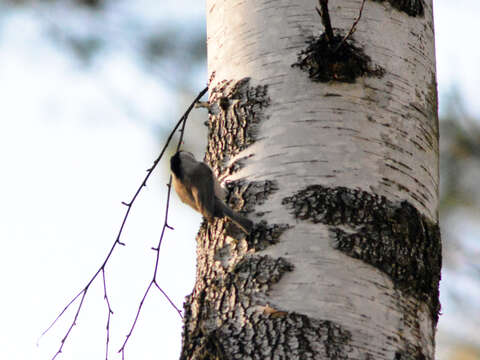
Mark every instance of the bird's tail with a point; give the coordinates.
(241, 221)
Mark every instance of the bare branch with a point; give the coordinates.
(122, 349)
(117, 241)
(110, 313)
(74, 322)
(325, 16)
(63, 311)
(169, 300)
(157, 250)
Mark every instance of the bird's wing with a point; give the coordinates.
(202, 178)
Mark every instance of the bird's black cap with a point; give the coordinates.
(175, 165)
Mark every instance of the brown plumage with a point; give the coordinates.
(197, 186)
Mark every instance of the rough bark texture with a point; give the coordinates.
(341, 180)
(227, 315)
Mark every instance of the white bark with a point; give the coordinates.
(376, 135)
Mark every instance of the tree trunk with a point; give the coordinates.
(335, 159)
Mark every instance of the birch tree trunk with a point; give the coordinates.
(340, 178)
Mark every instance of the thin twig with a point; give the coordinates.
(110, 313)
(157, 250)
(352, 29)
(325, 16)
(169, 300)
(64, 309)
(153, 281)
(122, 349)
(117, 241)
(74, 322)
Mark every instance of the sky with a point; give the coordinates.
(72, 152)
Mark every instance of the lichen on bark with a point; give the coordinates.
(393, 237)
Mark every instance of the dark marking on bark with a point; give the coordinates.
(334, 57)
(211, 350)
(294, 336)
(264, 235)
(255, 270)
(401, 164)
(409, 352)
(247, 195)
(224, 316)
(410, 7)
(410, 309)
(393, 237)
(220, 321)
(432, 105)
(324, 62)
(223, 313)
(417, 145)
(236, 109)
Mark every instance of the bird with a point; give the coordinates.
(197, 186)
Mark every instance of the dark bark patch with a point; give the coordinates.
(212, 349)
(236, 109)
(432, 103)
(292, 337)
(247, 195)
(410, 7)
(393, 237)
(265, 235)
(255, 271)
(335, 59)
(409, 352)
(225, 318)
(244, 197)
(223, 313)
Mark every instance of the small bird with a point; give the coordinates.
(197, 186)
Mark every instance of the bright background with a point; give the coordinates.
(89, 90)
